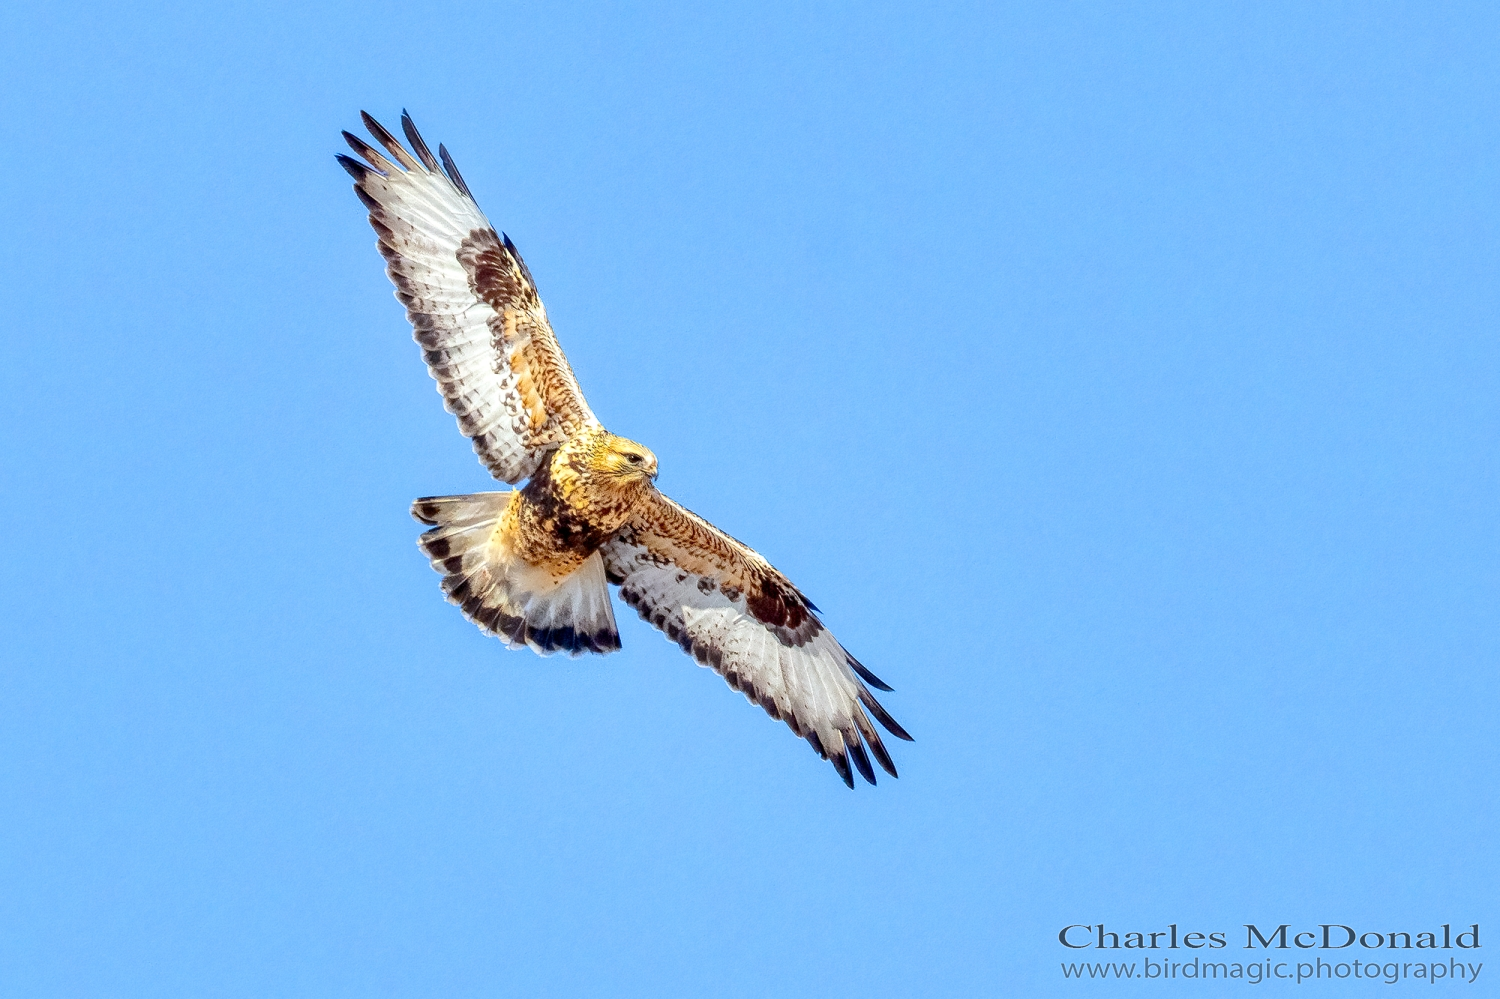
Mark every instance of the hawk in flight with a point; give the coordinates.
(532, 566)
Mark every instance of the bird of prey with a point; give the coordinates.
(532, 566)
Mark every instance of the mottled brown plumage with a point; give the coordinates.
(576, 502)
(532, 566)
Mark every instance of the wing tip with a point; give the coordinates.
(868, 677)
(872, 739)
(378, 164)
(861, 759)
(840, 762)
(353, 167)
(451, 169)
(386, 139)
(883, 716)
(418, 144)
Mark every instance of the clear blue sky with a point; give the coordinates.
(1121, 380)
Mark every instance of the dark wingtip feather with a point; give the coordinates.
(883, 716)
(356, 169)
(417, 145)
(841, 764)
(857, 752)
(386, 139)
(451, 169)
(377, 162)
(869, 677)
(872, 739)
(883, 758)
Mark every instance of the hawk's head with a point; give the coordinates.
(624, 461)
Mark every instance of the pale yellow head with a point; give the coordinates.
(623, 461)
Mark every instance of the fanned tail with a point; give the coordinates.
(516, 602)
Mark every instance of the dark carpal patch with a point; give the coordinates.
(496, 274)
(777, 606)
(782, 609)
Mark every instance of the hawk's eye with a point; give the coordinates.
(634, 459)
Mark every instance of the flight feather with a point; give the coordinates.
(472, 303)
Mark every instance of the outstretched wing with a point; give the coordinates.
(729, 609)
(472, 304)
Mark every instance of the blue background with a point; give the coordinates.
(1121, 380)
